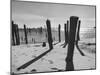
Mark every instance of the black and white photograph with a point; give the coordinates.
(52, 37)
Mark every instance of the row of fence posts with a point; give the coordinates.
(71, 30)
(15, 34)
(16, 38)
(66, 33)
(71, 40)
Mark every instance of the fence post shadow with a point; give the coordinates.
(43, 54)
(33, 60)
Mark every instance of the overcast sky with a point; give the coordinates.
(35, 14)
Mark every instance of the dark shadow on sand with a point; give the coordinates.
(33, 60)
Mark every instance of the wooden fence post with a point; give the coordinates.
(77, 32)
(65, 25)
(13, 38)
(46, 36)
(25, 31)
(49, 34)
(18, 38)
(15, 33)
(59, 27)
(78, 38)
(66, 33)
(71, 40)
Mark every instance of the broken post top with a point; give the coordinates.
(65, 24)
(48, 22)
(74, 17)
(24, 25)
(79, 22)
(59, 26)
(12, 22)
(73, 26)
(73, 21)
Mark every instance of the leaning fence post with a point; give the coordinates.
(49, 34)
(25, 31)
(13, 28)
(78, 38)
(71, 40)
(59, 27)
(78, 29)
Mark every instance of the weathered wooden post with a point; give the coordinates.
(71, 40)
(46, 36)
(49, 34)
(18, 38)
(25, 31)
(66, 33)
(77, 32)
(59, 27)
(78, 38)
(16, 35)
(13, 38)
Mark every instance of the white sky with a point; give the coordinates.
(35, 14)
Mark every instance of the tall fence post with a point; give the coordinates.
(66, 33)
(49, 34)
(65, 25)
(16, 34)
(25, 31)
(13, 36)
(46, 36)
(71, 40)
(18, 38)
(77, 32)
(59, 27)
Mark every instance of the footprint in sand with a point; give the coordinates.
(33, 70)
(54, 68)
(57, 69)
